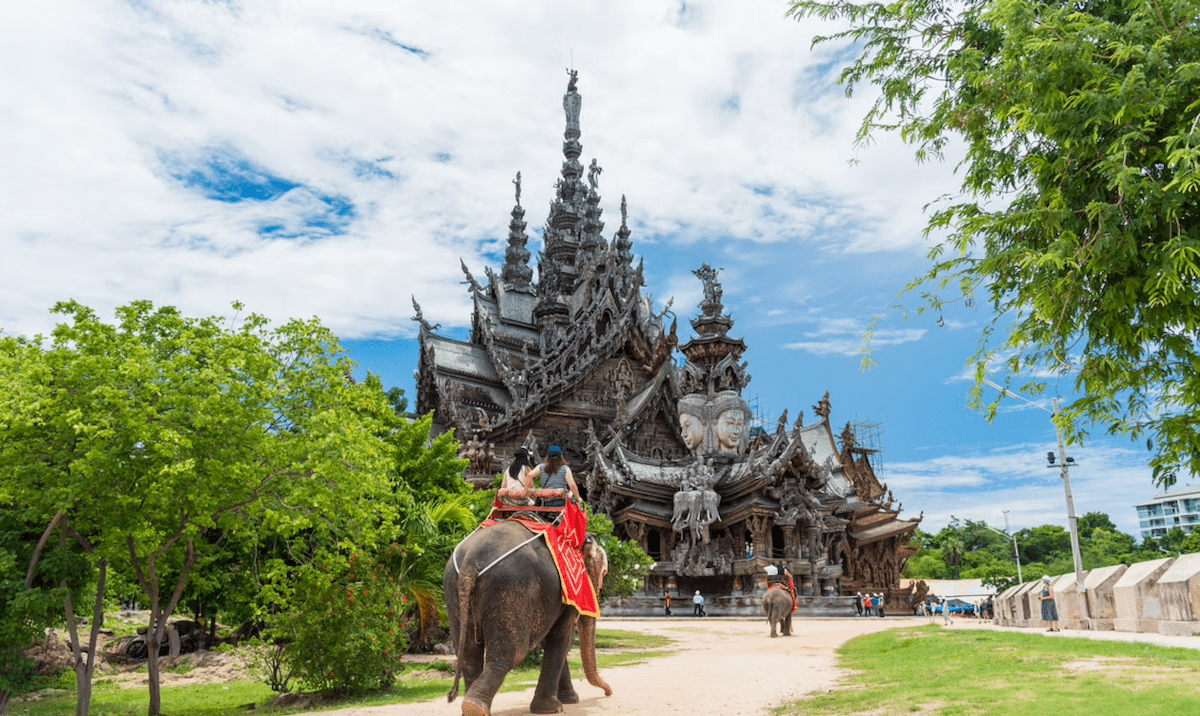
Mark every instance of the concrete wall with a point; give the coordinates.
(1161, 596)
(1138, 605)
(1029, 610)
(1004, 607)
(1069, 601)
(1102, 606)
(1179, 590)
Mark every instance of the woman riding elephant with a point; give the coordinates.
(503, 598)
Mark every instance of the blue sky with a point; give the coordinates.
(335, 159)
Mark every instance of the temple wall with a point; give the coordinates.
(725, 606)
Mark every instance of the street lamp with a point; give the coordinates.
(1065, 463)
(1016, 554)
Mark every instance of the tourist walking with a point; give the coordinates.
(698, 605)
(1049, 608)
(879, 604)
(667, 599)
(858, 603)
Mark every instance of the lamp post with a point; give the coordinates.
(1016, 554)
(1065, 463)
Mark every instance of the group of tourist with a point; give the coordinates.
(870, 605)
(697, 604)
(554, 472)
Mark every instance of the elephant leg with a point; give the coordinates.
(471, 661)
(554, 659)
(771, 619)
(477, 701)
(787, 625)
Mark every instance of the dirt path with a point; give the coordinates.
(720, 667)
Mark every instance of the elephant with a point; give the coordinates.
(503, 599)
(777, 603)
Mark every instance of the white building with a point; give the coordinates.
(1177, 507)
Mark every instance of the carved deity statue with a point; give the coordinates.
(692, 428)
(731, 425)
(712, 288)
(571, 104)
(719, 424)
(696, 502)
(420, 317)
(594, 174)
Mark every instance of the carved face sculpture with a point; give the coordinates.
(730, 425)
(692, 430)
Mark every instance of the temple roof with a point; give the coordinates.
(884, 529)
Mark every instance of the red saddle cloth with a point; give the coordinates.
(564, 542)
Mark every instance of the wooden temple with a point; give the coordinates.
(663, 445)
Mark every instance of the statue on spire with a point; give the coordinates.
(594, 174)
(712, 289)
(517, 183)
(571, 104)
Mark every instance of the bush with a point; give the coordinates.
(344, 629)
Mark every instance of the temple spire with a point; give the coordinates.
(516, 272)
(621, 241)
(592, 244)
(558, 274)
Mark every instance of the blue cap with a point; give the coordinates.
(554, 450)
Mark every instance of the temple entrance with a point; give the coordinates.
(654, 545)
(778, 545)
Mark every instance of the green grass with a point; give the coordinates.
(232, 698)
(111, 700)
(951, 673)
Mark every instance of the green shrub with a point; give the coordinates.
(344, 629)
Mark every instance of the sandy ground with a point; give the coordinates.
(723, 667)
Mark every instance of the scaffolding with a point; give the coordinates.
(868, 441)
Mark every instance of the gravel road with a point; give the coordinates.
(728, 667)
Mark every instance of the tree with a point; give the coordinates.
(627, 562)
(1045, 543)
(1079, 220)
(196, 428)
(1092, 521)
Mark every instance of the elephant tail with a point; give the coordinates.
(466, 583)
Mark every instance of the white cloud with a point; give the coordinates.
(1107, 478)
(847, 337)
(716, 121)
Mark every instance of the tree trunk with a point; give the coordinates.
(154, 637)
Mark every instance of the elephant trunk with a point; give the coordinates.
(587, 653)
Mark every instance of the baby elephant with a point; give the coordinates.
(777, 603)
